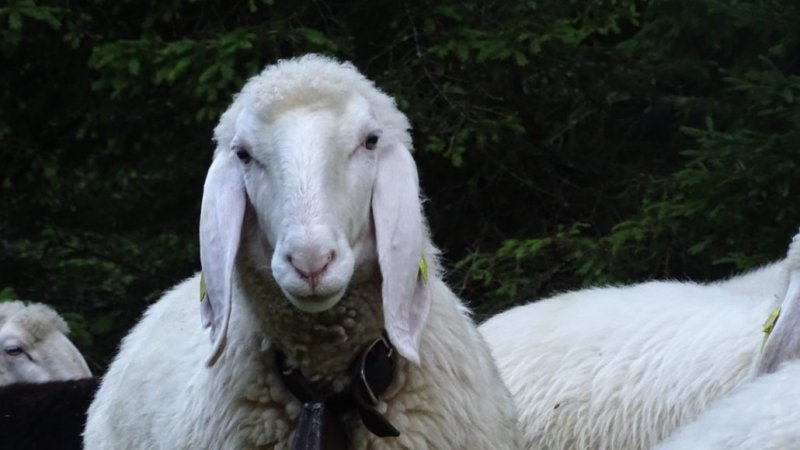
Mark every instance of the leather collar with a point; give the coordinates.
(320, 425)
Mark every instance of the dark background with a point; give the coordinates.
(561, 143)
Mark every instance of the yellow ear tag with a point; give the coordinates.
(769, 324)
(202, 287)
(423, 268)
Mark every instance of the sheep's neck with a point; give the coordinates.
(321, 345)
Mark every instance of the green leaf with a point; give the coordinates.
(14, 21)
(133, 67)
(8, 293)
(315, 37)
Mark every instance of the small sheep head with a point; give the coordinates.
(35, 347)
(313, 176)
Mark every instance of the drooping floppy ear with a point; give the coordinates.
(399, 232)
(783, 341)
(221, 219)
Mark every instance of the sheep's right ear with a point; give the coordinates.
(783, 343)
(221, 219)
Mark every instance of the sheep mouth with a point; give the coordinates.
(315, 303)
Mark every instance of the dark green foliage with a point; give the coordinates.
(561, 143)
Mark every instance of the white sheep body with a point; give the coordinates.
(761, 415)
(622, 367)
(159, 392)
(444, 403)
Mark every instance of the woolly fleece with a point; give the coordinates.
(762, 415)
(622, 367)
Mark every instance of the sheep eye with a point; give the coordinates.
(372, 141)
(243, 155)
(13, 350)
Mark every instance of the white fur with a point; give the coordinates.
(34, 346)
(309, 188)
(622, 367)
(761, 415)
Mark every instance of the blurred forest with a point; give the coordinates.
(561, 143)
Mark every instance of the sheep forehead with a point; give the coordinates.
(307, 79)
(311, 136)
(37, 321)
(307, 150)
(17, 331)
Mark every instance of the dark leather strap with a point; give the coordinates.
(318, 429)
(375, 374)
(320, 425)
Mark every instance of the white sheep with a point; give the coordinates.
(763, 414)
(35, 347)
(622, 367)
(312, 242)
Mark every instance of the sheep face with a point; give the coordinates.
(28, 357)
(308, 173)
(307, 184)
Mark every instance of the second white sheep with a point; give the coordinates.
(622, 367)
(763, 414)
(35, 347)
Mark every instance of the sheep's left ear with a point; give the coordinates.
(221, 220)
(783, 343)
(399, 231)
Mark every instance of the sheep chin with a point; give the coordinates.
(315, 304)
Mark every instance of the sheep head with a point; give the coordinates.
(313, 176)
(35, 347)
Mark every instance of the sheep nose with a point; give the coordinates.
(311, 263)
